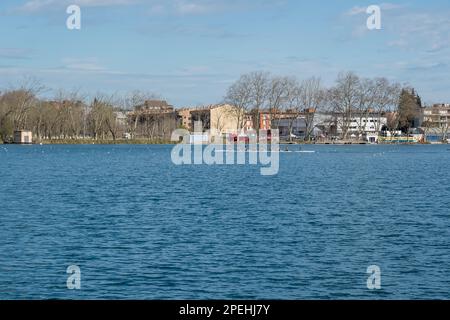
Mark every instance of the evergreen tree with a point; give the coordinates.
(408, 109)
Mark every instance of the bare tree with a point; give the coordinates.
(239, 95)
(312, 98)
(366, 100)
(386, 98)
(443, 130)
(260, 84)
(70, 112)
(427, 127)
(130, 102)
(344, 99)
(15, 106)
(102, 118)
(392, 122)
(279, 91)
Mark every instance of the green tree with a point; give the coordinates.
(408, 109)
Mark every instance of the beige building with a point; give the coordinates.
(23, 137)
(436, 123)
(153, 119)
(437, 116)
(185, 117)
(223, 118)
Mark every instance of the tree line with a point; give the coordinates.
(70, 115)
(350, 97)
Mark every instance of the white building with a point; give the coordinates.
(23, 137)
(359, 127)
(366, 128)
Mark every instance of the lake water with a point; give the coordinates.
(140, 227)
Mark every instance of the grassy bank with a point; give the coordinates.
(90, 141)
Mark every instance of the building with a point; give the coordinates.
(122, 124)
(185, 117)
(121, 118)
(202, 115)
(23, 137)
(357, 126)
(325, 125)
(265, 121)
(153, 119)
(263, 118)
(222, 118)
(370, 123)
(437, 116)
(436, 123)
(294, 127)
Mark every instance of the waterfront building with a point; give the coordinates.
(293, 127)
(223, 118)
(363, 126)
(121, 118)
(264, 119)
(438, 115)
(185, 117)
(153, 119)
(23, 137)
(415, 138)
(436, 123)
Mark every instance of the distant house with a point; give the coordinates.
(437, 116)
(153, 119)
(364, 126)
(264, 117)
(294, 126)
(436, 123)
(185, 117)
(23, 137)
(223, 118)
(121, 118)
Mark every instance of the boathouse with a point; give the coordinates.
(23, 137)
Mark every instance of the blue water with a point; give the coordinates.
(140, 227)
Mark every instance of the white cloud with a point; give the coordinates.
(420, 30)
(90, 64)
(406, 27)
(189, 7)
(401, 43)
(15, 53)
(194, 7)
(156, 7)
(34, 6)
(357, 10)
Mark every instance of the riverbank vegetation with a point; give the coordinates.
(73, 117)
(351, 100)
(107, 141)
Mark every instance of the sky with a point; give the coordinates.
(190, 51)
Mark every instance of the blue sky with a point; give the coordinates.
(190, 51)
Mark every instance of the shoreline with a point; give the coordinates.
(143, 142)
(103, 142)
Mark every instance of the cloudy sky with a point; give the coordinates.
(190, 51)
